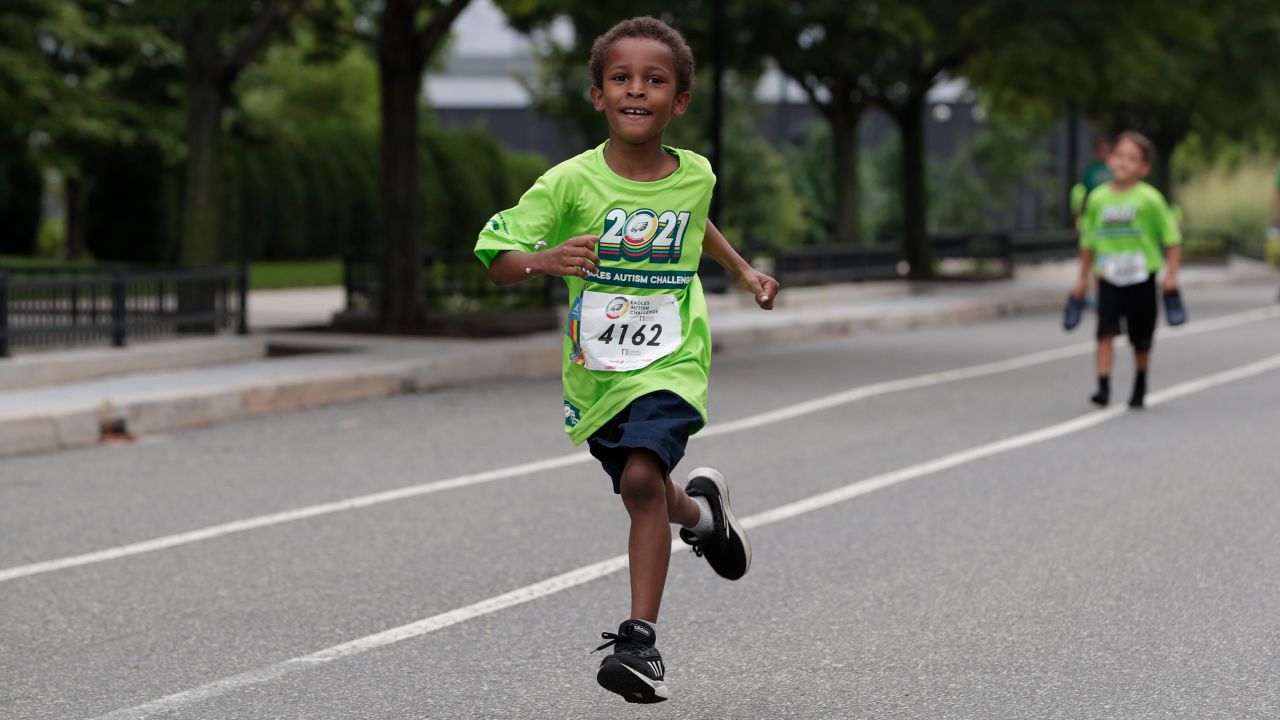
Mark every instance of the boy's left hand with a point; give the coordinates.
(762, 287)
(1170, 283)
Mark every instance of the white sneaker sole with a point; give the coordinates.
(633, 685)
(730, 519)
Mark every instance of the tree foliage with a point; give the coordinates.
(1170, 70)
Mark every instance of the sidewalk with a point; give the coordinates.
(238, 379)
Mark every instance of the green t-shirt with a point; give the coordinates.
(1129, 225)
(1095, 175)
(640, 324)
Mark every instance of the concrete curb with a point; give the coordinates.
(487, 361)
(62, 430)
(41, 369)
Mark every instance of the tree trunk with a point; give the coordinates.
(844, 137)
(1162, 168)
(202, 212)
(76, 196)
(915, 203)
(402, 307)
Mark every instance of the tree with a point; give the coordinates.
(925, 40)
(219, 39)
(77, 78)
(831, 48)
(851, 56)
(406, 35)
(409, 34)
(1166, 69)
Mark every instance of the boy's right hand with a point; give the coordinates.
(1078, 290)
(573, 257)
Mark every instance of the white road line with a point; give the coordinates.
(753, 421)
(238, 526)
(594, 571)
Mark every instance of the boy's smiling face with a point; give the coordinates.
(639, 93)
(1127, 162)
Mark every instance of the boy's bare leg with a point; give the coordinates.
(1142, 360)
(1106, 355)
(644, 494)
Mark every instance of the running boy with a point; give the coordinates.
(625, 225)
(1126, 222)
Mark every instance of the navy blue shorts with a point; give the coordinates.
(659, 422)
(1136, 304)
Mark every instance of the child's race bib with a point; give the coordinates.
(627, 332)
(1123, 269)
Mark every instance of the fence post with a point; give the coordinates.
(242, 302)
(4, 313)
(1005, 243)
(118, 297)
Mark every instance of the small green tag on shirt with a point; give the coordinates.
(571, 414)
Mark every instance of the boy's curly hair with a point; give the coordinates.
(1143, 142)
(644, 27)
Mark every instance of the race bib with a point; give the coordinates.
(627, 332)
(1125, 268)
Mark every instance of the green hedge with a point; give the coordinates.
(319, 198)
(314, 197)
(466, 177)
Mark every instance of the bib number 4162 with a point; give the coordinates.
(650, 335)
(627, 332)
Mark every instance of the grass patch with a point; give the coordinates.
(1232, 199)
(19, 261)
(281, 274)
(263, 275)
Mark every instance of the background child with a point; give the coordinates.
(626, 224)
(1125, 225)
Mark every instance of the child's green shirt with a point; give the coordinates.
(640, 324)
(1126, 232)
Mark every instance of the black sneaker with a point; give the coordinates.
(635, 669)
(726, 548)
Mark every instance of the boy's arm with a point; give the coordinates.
(1171, 238)
(1086, 269)
(1173, 256)
(1088, 224)
(761, 286)
(575, 256)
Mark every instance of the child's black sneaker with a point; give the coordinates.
(726, 548)
(1138, 399)
(635, 669)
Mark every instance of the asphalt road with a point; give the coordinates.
(1121, 565)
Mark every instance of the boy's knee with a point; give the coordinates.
(641, 484)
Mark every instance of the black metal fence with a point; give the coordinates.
(1035, 246)
(992, 254)
(58, 306)
(462, 284)
(1001, 252)
(450, 284)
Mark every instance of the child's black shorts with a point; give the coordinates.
(1136, 304)
(659, 421)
